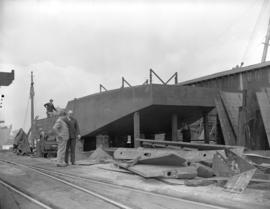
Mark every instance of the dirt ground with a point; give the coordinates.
(253, 197)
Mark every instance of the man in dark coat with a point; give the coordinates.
(186, 133)
(74, 134)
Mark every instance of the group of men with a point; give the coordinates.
(67, 132)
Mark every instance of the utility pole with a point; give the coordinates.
(32, 94)
(266, 43)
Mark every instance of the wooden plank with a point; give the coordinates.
(191, 145)
(232, 102)
(267, 91)
(238, 183)
(226, 127)
(223, 178)
(242, 137)
(256, 158)
(264, 106)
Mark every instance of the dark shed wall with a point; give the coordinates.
(256, 79)
(253, 81)
(228, 83)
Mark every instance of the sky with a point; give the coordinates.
(74, 45)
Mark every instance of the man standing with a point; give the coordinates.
(61, 129)
(186, 133)
(50, 108)
(74, 134)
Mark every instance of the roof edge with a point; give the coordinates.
(226, 73)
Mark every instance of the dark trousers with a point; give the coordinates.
(71, 144)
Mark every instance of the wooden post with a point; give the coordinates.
(241, 138)
(219, 136)
(32, 94)
(205, 127)
(174, 127)
(136, 128)
(241, 84)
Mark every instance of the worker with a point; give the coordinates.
(61, 129)
(129, 141)
(186, 133)
(50, 108)
(74, 134)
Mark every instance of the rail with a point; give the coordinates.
(95, 194)
(49, 172)
(189, 145)
(25, 195)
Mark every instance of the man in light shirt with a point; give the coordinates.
(61, 129)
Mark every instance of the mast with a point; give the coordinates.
(266, 43)
(32, 94)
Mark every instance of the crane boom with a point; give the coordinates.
(266, 43)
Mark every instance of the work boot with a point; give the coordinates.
(73, 163)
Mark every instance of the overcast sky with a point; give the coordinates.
(73, 46)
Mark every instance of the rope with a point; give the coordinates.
(263, 7)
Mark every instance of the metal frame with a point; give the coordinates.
(124, 81)
(148, 81)
(102, 87)
(152, 72)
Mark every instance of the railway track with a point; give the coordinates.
(26, 196)
(35, 199)
(108, 191)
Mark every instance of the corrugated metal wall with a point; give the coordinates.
(252, 81)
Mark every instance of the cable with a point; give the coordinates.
(263, 7)
(26, 113)
(236, 21)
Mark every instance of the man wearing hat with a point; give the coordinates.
(74, 134)
(61, 129)
(50, 108)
